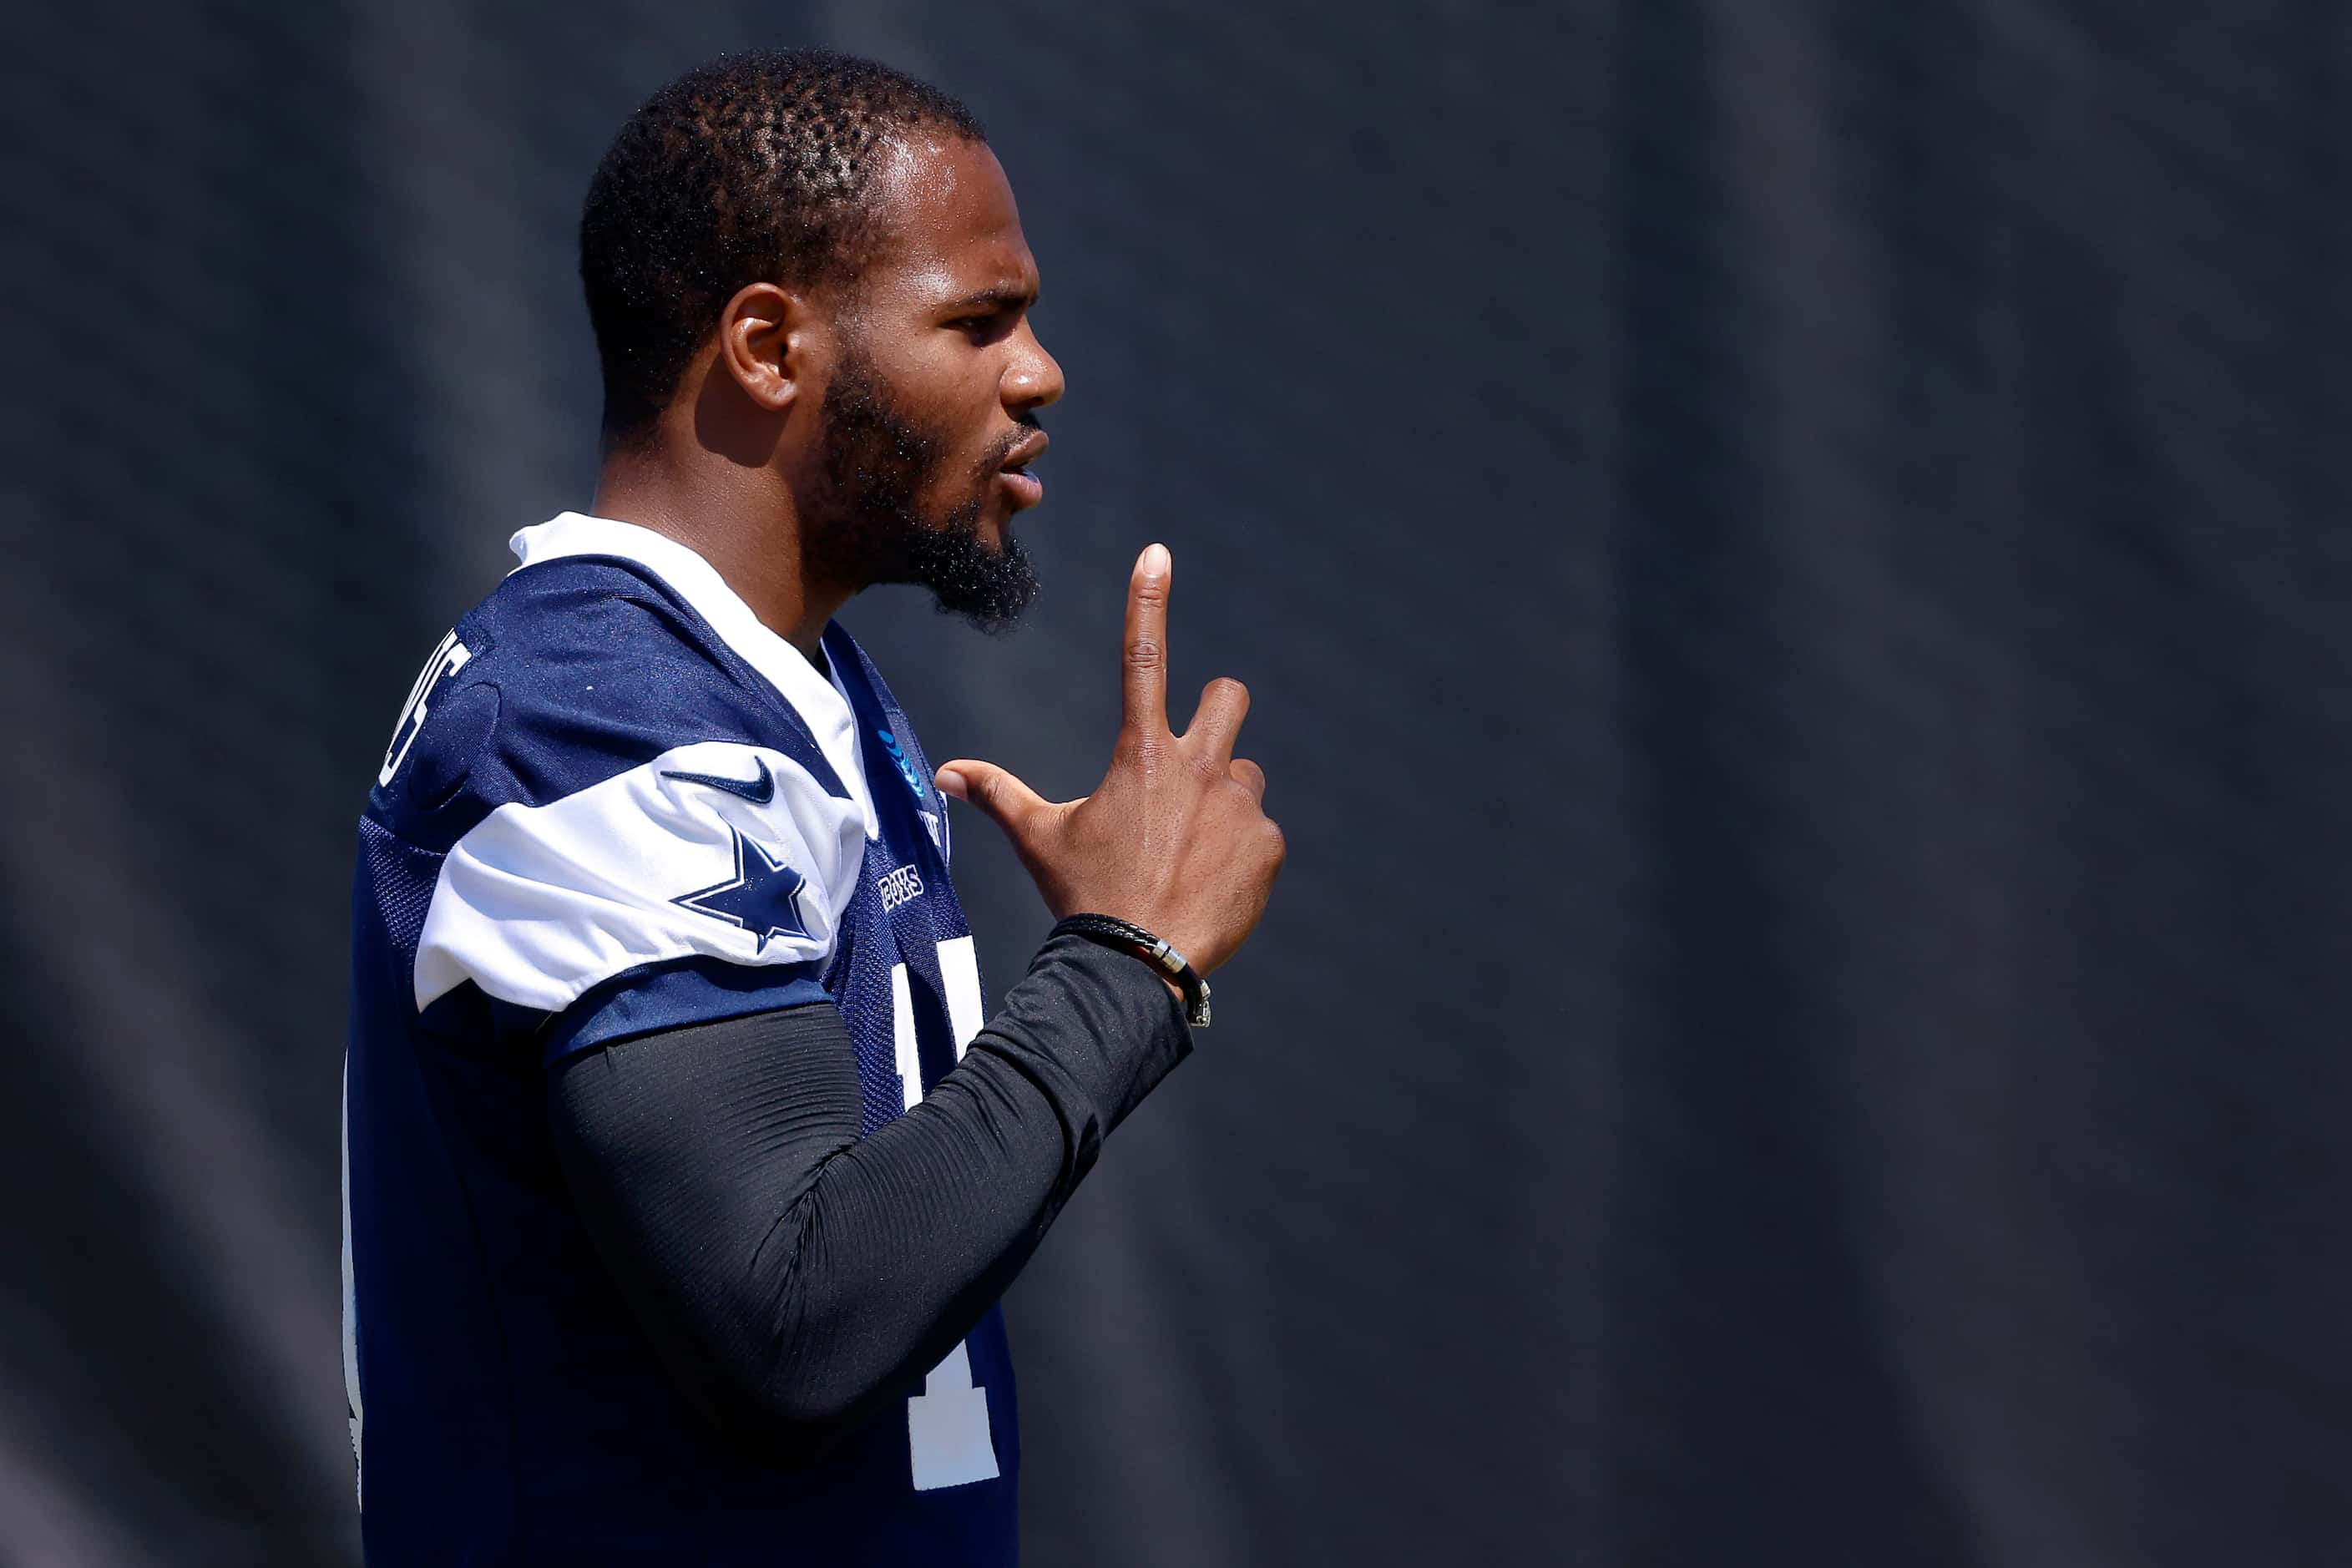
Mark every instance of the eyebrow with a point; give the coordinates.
(1000, 297)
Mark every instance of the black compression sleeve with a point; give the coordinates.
(793, 1273)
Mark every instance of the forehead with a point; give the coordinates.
(945, 221)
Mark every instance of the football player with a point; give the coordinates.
(684, 1164)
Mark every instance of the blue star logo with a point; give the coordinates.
(763, 896)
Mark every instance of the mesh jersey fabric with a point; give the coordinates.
(613, 805)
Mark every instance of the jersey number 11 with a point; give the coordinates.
(947, 1425)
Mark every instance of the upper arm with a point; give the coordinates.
(686, 1154)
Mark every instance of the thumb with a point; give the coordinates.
(997, 793)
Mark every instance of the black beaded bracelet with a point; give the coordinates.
(1128, 937)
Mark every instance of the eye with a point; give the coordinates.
(985, 327)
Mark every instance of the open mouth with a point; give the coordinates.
(1027, 490)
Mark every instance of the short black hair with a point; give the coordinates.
(753, 167)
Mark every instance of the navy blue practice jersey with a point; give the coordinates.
(615, 803)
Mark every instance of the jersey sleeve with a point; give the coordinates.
(723, 863)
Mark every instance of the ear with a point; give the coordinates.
(762, 343)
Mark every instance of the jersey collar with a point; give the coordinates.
(819, 702)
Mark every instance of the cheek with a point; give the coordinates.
(932, 369)
(964, 420)
(948, 392)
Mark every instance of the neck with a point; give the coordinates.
(738, 519)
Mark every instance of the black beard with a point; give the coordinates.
(862, 525)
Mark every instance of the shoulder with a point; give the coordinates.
(571, 673)
(603, 789)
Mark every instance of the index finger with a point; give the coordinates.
(1145, 648)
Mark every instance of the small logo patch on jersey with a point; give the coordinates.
(759, 790)
(763, 896)
(906, 768)
(898, 886)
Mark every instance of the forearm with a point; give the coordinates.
(794, 1272)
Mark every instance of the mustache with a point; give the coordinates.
(1023, 426)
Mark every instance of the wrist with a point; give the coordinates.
(1175, 970)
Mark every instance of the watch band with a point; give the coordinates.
(1128, 937)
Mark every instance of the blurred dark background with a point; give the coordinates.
(1792, 564)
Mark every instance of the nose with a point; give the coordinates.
(1034, 379)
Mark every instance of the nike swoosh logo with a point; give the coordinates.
(759, 790)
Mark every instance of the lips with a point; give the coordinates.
(1026, 487)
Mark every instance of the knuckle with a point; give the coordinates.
(1225, 690)
(1143, 654)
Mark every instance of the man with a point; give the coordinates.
(682, 1169)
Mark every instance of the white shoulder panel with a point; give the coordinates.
(716, 849)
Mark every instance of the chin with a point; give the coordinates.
(995, 527)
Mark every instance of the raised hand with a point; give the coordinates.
(1175, 839)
